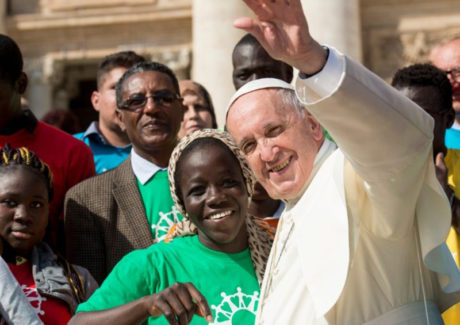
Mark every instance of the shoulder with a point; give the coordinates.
(60, 138)
(79, 136)
(97, 185)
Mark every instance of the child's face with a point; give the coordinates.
(23, 209)
(215, 197)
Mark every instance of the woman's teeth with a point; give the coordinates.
(220, 215)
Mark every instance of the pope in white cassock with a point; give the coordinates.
(362, 238)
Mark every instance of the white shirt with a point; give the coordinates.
(142, 168)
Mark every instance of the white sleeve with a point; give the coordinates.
(385, 136)
(14, 306)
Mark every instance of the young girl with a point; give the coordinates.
(52, 286)
(223, 253)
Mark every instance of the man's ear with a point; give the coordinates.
(120, 118)
(315, 128)
(95, 96)
(21, 83)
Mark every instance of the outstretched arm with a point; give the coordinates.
(282, 29)
(178, 304)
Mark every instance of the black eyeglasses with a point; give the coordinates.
(454, 73)
(137, 102)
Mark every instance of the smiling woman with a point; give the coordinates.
(217, 248)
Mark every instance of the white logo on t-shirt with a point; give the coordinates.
(166, 221)
(232, 304)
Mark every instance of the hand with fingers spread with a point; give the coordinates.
(179, 303)
(282, 29)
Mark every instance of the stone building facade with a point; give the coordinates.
(63, 40)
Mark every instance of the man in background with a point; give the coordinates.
(429, 87)
(105, 137)
(447, 58)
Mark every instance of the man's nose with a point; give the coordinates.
(151, 105)
(267, 150)
(22, 214)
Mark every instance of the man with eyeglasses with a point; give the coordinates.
(129, 207)
(447, 58)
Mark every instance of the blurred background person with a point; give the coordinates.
(447, 58)
(106, 137)
(62, 119)
(199, 110)
(429, 87)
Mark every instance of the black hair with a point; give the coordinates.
(124, 59)
(11, 62)
(421, 75)
(11, 158)
(198, 143)
(142, 67)
(249, 39)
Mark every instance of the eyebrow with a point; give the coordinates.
(266, 126)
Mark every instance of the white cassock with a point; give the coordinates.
(362, 243)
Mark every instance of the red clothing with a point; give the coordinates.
(70, 160)
(51, 311)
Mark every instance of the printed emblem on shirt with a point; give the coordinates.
(34, 298)
(166, 220)
(236, 309)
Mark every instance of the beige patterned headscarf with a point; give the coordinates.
(258, 239)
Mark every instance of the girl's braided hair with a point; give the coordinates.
(24, 157)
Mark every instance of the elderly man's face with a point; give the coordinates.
(280, 143)
(155, 126)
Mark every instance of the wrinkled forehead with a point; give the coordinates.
(147, 81)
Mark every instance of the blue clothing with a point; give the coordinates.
(105, 155)
(452, 139)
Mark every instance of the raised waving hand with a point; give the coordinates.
(282, 29)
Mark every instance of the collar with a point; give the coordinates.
(324, 152)
(92, 129)
(456, 125)
(26, 120)
(93, 132)
(278, 211)
(142, 168)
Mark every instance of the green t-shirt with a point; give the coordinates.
(159, 205)
(228, 281)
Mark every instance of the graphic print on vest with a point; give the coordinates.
(34, 299)
(239, 308)
(166, 220)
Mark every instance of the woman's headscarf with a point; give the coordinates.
(258, 239)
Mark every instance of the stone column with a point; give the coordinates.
(213, 40)
(336, 23)
(2, 16)
(44, 74)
